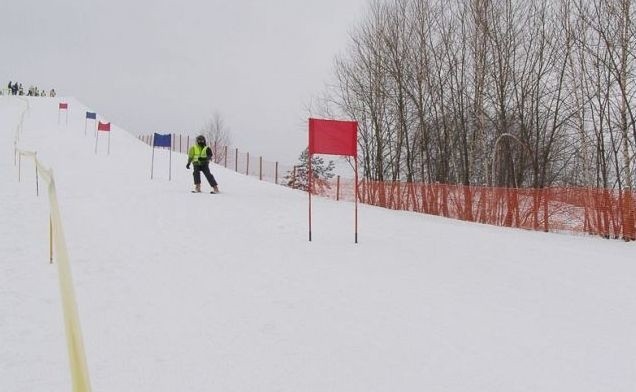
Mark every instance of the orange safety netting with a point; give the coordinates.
(611, 214)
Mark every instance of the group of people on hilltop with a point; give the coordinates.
(16, 89)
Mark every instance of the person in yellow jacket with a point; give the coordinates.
(199, 156)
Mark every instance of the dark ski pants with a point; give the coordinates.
(205, 168)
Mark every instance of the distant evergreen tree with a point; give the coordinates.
(321, 172)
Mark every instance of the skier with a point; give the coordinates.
(199, 155)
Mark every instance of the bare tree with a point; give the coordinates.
(217, 135)
(434, 84)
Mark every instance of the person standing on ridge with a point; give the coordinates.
(199, 155)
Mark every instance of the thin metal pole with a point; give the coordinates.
(356, 214)
(152, 164)
(309, 181)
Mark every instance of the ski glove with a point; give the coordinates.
(188, 165)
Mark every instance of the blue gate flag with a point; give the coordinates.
(91, 115)
(162, 140)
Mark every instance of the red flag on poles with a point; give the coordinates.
(333, 137)
(62, 106)
(103, 126)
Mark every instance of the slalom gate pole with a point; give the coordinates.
(152, 164)
(309, 188)
(356, 203)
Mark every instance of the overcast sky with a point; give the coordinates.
(167, 66)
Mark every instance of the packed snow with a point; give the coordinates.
(198, 292)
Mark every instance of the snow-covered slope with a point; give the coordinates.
(198, 292)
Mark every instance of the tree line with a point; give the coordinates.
(512, 93)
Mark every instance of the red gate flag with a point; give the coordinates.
(103, 126)
(63, 105)
(333, 137)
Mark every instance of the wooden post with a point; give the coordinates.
(236, 160)
(337, 188)
(247, 165)
(260, 168)
(276, 174)
(50, 240)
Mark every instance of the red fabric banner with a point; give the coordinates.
(103, 126)
(63, 105)
(333, 137)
